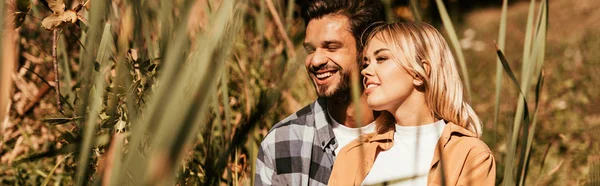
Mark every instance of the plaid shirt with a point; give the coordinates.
(298, 150)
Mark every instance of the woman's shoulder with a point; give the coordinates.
(465, 140)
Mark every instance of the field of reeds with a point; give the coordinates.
(181, 92)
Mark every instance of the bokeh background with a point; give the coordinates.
(182, 92)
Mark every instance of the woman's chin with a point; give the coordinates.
(375, 106)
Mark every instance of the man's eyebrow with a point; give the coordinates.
(332, 42)
(380, 50)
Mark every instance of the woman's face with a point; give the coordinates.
(387, 84)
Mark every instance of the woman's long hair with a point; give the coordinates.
(412, 44)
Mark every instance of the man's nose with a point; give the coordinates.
(319, 58)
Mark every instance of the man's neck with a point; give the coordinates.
(346, 112)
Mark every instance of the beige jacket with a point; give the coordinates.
(459, 159)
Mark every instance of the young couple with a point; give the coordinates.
(416, 127)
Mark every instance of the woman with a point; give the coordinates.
(410, 72)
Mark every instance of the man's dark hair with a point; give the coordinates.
(361, 14)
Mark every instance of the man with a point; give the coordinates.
(300, 150)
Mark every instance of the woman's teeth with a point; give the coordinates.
(372, 85)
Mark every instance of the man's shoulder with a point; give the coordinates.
(299, 118)
(293, 127)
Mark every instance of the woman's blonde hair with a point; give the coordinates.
(413, 44)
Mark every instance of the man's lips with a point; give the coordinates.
(324, 74)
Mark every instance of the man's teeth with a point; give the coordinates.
(371, 85)
(324, 75)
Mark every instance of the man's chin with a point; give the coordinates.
(335, 93)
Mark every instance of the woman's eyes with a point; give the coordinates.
(381, 59)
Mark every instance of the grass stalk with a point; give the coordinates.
(51, 173)
(513, 141)
(55, 38)
(290, 46)
(4, 69)
(539, 48)
(66, 69)
(415, 7)
(455, 44)
(96, 100)
(501, 45)
(87, 65)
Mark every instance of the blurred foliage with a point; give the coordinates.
(181, 92)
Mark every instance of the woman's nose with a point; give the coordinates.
(366, 71)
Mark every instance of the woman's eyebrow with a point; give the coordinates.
(380, 50)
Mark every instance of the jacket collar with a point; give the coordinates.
(450, 130)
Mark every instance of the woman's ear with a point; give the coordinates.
(426, 66)
(418, 81)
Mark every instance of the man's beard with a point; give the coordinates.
(341, 91)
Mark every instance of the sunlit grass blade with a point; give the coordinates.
(415, 7)
(116, 162)
(289, 16)
(3, 75)
(65, 70)
(455, 44)
(168, 80)
(594, 169)
(225, 100)
(512, 151)
(51, 173)
(188, 102)
(104, 53)
(539, 51)
(8, 57)
(291, 52)
(527, 45)
(525, 76)
(92, 36)
(389, 12)
(501, 44)
(531, 133)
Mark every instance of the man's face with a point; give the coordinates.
(332, 55)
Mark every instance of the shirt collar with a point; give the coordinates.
(324, 135)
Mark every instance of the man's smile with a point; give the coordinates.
(324, 76)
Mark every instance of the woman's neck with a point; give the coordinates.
(414, 111)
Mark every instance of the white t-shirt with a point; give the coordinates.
(409, 160)
(344, 135)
